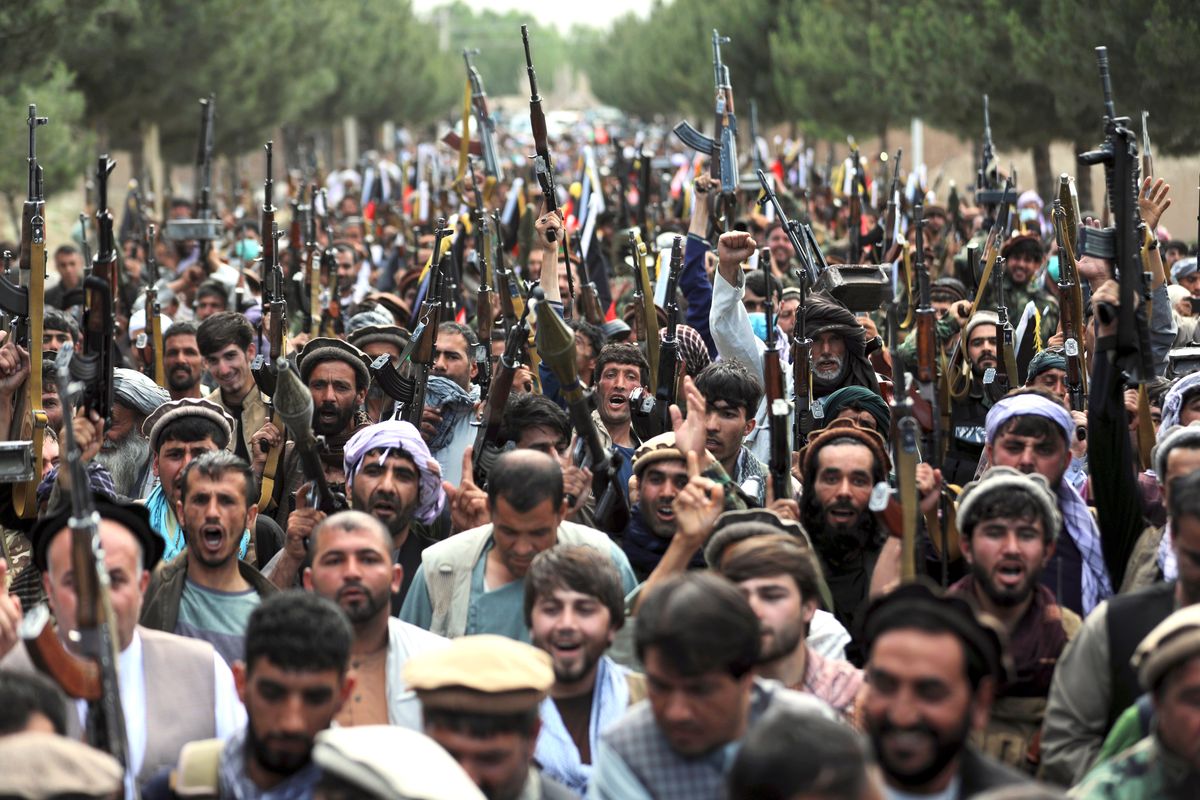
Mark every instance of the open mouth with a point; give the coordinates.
(664, 513)
(841, 516)
(212, 537)
(567, 648)
(1010, 574)
(383, 508)
(616, 401)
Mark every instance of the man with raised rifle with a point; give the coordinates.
(1024, 256)
(451, 397)
(226, 342)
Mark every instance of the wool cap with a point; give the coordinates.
(167, 413)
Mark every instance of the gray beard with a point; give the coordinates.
(125, 461)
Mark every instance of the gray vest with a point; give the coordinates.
(665, 774)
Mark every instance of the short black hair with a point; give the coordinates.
(1034, 426)
(731, 381)
(180, 329)
(792, 752)
(66, 249)
(299, 631)
(699, 622)
(215, 464)
(1003, 505)
(468, 335)
(756, 282)
(223, 329)
(621, 353)
(578, 568)
(524, 411)
(55, 320)
(193, 428)
(482, 726)
(593, 333)
(525, 478)
(212, 289)
(23, 694)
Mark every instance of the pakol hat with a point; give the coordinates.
(483, 674)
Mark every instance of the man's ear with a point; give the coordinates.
(239, 679)
(750, 423)
(154, 465)
(397, 575)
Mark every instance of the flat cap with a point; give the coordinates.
(1175, 640)
(392, 763)
(483, 674)
(44, 765)
(167, 413)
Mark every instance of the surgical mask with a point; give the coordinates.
(1028, 214)
(1052, 268)
(758, 323)
(246, 250)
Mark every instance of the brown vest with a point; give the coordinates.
(181, 695)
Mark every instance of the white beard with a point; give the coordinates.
(125, 461)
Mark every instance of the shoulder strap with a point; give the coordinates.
(196, 773)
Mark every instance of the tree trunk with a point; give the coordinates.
(1043, 172)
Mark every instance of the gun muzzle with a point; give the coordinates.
(292, 399)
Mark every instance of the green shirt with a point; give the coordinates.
(218, 618)
(1144, 771)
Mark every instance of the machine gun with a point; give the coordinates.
(92, 674)
(557, 344)
(987, 177)
(205, 227)
(544, 167)
(21, 455)
(1118, 154)
(801, 240)
(722, 149)
(294, 404)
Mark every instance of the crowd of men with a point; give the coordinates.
(458, 626)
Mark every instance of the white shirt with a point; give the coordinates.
(230, 715)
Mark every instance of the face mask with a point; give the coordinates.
(1052, 268)
(758, 322)
(1028, 214)
(246, 250)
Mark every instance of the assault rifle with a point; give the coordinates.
(927, 344)
(557, 344)
(801, 240)
(484, 320)
(777, 405)
(667, 387)
(987, 177)
(721, 149)
(1118, 154)
(487, 438)
(643, 300)
(152, 345)
(893, 208)
(266, 372)
(21, 455)
(544, 167)
(92, 674)
(1072, 317)
(205, 227)
(905, 435)
(422, 349)
(485, 125)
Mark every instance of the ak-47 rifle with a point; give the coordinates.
(722, 149)
(508, 284)
(777, 405)
(266, 372)
(906, 431)
(485, 125)
(643, 187)
(152, 345)
(643, 301)
(987, 177)
(1072, 318)
(669, 356)
(487, 438)
(893, 208)
(294, 403)
(1147, 156)
(544, 168)
(1118, 154)
(21, 455)
(484, 319)
(757, 159)
(927, 345)
(1006, 361)
(801, 343)
(312, 267)
(589, 297)
(557, 344)
(92, 674)
(423, 345)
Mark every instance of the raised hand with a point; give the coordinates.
(468, 503)
(734, 247)
(1153, 200)
(697, 506)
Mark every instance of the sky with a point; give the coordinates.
(596, 14)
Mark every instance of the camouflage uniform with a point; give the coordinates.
(1145, 770)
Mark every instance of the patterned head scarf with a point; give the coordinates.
(404, 439)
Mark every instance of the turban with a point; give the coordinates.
(860, 396)
(138, 392)
(1046, 359)
(402, 437)
(1173, 402)
(1077, 520)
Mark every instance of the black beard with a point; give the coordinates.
(277, 763)
(838, 545)
(184, 385)
(1005, 598)
(344, 415)
(367, 610)
(947, 748)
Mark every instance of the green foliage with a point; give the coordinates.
(64, 147)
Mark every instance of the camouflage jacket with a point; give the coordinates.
(1145, 770)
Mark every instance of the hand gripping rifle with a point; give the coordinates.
(557, 344)
(801, 343)
(777, 405)
(294, 404)
(544, 168)
(722, 150)
(21, 455)
(92, 675)
(1118, 154)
